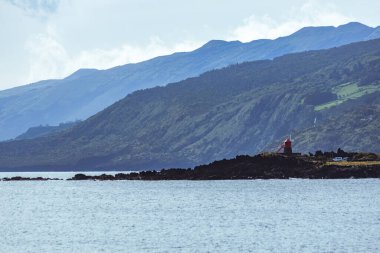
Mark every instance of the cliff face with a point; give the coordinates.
(237, 110)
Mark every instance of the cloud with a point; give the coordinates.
(49, 58)
(131, 53)
(56, 38)
(44, 39)
(309, 14)
(36, 8)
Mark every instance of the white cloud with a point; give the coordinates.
(126, 53)
(49, 58)
(36, 8)
(44, 39)
(309, 14)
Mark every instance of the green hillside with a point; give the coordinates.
(356, 128)
(240, 109)
(347, 91)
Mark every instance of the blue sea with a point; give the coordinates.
(190, 216)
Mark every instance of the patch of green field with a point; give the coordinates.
(328, 105)
(345, 90)
(348, 91)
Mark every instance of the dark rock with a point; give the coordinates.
(18, 178)
(80, 177)
(262, 166)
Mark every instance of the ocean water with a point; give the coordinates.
(190, 216)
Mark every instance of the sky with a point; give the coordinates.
(48, 39)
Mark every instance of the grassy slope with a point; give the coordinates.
(346, 92)
(354, 127)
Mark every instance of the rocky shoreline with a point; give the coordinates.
(256, 167)
(262, 166)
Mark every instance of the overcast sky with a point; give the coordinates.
(42, 39)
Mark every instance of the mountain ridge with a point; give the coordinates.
(86, 92)
(235, 110)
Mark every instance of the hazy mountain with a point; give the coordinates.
(40, 131)
(88, 91)
(240, 109)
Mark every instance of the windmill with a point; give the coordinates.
(286, 146)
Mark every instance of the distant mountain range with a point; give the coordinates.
(325, 99)
(89, 91)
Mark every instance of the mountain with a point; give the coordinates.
(39, 131)
(239, 109)
(89, 91)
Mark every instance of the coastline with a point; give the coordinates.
(262, 166)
